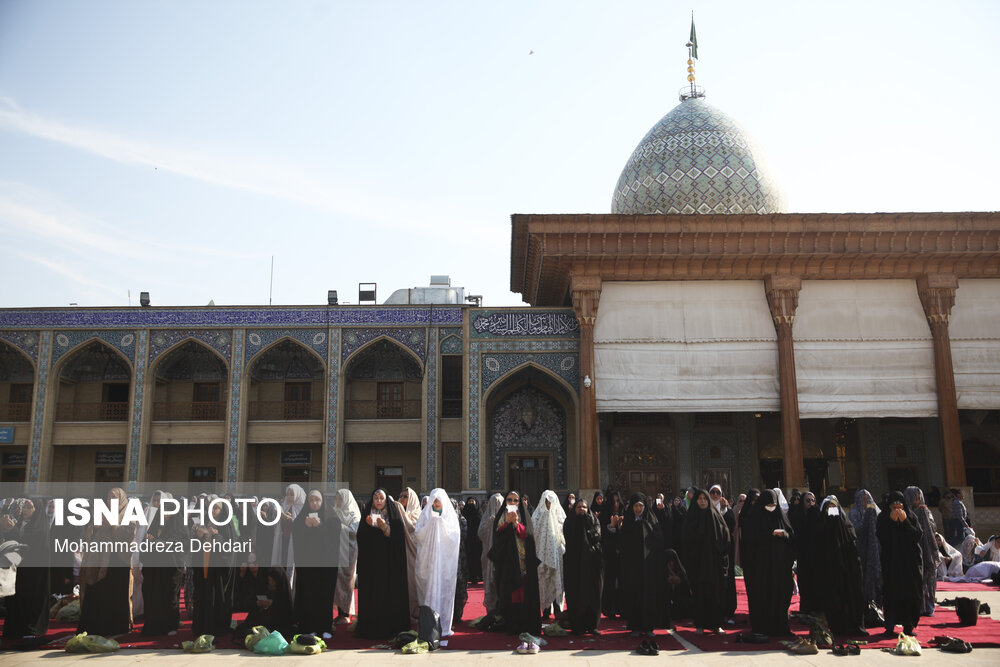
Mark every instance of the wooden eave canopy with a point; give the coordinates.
(547, 250)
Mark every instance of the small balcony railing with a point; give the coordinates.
(189, 411)
(383, 410)
(15, 412)
(92, 412)
(289, 410)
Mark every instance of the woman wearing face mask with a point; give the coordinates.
(773, 558)
(705, 556)
(316, 532)
(383, 598)
(838, 588)
(899, 535)
(438, 542)
(516, 567)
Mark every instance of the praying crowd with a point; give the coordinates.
(648, 560)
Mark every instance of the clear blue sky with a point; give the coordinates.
(174, 147)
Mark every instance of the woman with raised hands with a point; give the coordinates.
(487, 528)
(516, 567)
(316, 531)
(349, 514)
(383, 601)
(550, 547)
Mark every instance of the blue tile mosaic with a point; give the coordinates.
(523, 323)
(135, 439)
(412, 338)
(227, 317)
(332, 393)
(69, 341)
(235, 396)
(431, 411)
(162, 340)
(38, 413)
(260, 339)
(696, 160)
(451, 345)
(497, 366)
(26, 341)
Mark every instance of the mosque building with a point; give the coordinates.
(699, 333)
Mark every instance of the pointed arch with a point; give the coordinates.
(273, 344)
(165, 354)
(504, 381)
(71, 353)
(21, 354)
(364, 349)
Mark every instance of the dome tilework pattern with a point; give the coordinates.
(696, 160)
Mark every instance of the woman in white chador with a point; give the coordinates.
(349, 514)
(550, 546)
(438, 536)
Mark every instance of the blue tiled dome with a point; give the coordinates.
(696, 160)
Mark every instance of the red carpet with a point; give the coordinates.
(986, 633)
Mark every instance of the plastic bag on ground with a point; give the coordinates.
(307, 644)
(417, 647)
(256, 634)
(70, 613)
(273, 644)
(203, 644)
(907, 645)
(84, 643)
(554, 630)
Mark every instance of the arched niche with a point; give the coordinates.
(17, 384)
(286, 382)
(383, 380)
(530, 420)
(95, 383)
(191, 384)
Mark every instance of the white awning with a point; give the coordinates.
(863, 349)
(698, 346)
(974, 331)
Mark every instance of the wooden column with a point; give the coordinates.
(586, 291)
(783, 298)
(937, 295)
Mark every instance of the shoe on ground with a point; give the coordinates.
(956, 646)
(534, 648)
(523, 648)
(654, 649)
(804, 647)
(643, 648)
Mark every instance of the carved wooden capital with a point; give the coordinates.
(586, 291)
(937, 296)
(782, 297)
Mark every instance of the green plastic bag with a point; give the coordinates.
(256, 634)
(84, 643)
(202, 644)
(307, 645)
(554, 630)
(417, 647)
(404, 638)
(273, 644)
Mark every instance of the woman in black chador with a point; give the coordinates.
(804, 518)
(272, 604)
(383, 593)
(516, 567)
(611, 602)
(583, 569)
(643, 576)
(473, 547)
(28, 608)
(899, 536)
(747, 531)
(162, 572)
(214, 576)
(838, 588)
(706, 561)
(773, 555)
(316, 535)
